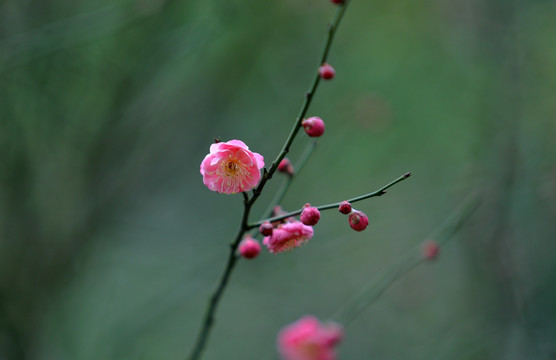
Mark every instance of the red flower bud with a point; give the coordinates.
(358, 220)
(310, 215)
(286, 167)
(249, 248)
(345, 207)
(430, 249)
(326, 71)
(314, 126)
(266, 228)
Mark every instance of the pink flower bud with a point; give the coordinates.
(249, 248)
(358, 220)
(326, 71)
(266, 228)
(310, 215)
(338, 1)
(430, 249)
(286, 167)
(345, 207)
(314, 126)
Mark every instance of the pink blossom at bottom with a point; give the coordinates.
(231, 167)
(288, 236)
(308, 339)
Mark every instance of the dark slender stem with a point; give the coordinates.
(208, 319)
(306, 103)
(378, 192)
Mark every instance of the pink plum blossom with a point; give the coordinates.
(308, 339)
(288, 236)
(231, 168)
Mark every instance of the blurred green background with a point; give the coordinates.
(110, 243)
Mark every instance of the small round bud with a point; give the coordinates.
(358, 220)
(286, 167)
(345, 207)
(266, 228)
(249, 248)
(326, 71)
(310, 215)
(338, 1)
(430, 249)
(314, 126)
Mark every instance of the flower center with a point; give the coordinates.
(231, 168)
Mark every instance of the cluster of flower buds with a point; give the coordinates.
(357, 219)
(283, 235)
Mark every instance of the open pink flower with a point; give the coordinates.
(231, 168)
(288, 236)
(308, 339)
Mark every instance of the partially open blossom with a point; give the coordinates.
(249, 248)
(230, 167)
(345, 207)
(326, 71)
(430, 249)
(285, 167)
(358, 220)
(308, 339)
(288, 236)
(266, 228)
(314, 126)
(310, 215)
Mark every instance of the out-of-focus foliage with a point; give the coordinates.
(110, 244)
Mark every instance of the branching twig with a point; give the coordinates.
(208, 319)
(378, 192)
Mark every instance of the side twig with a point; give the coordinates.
(378, 192)
(352, 308)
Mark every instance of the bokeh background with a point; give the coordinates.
(110, 243)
